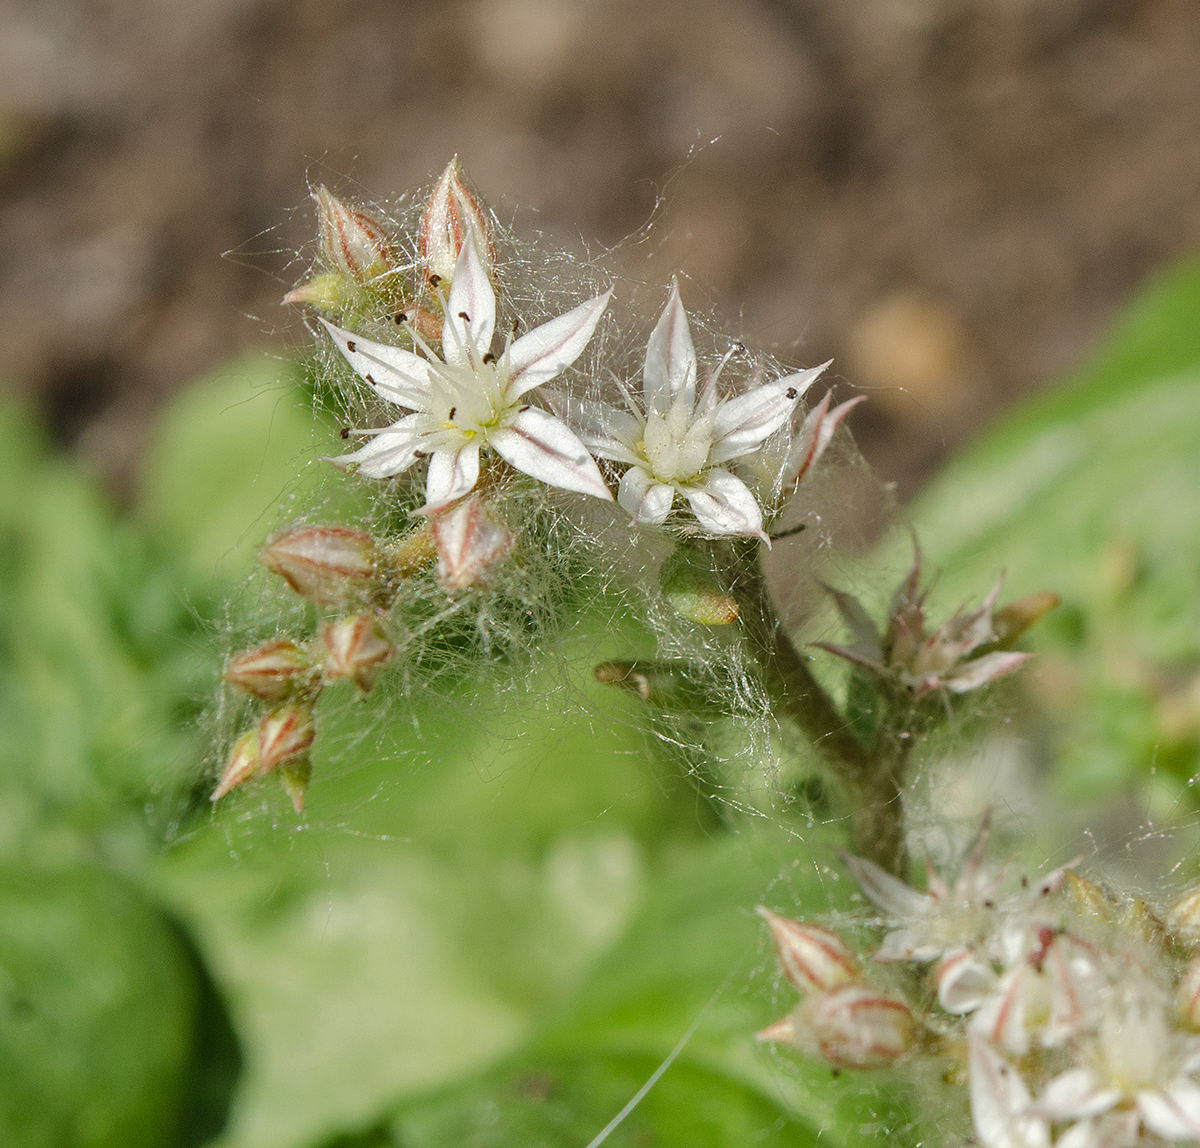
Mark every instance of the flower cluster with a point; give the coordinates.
(471, 405)
(1070, 1013)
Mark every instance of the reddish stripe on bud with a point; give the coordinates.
(853, 1027)
(354, 649)
(355, 243)
(285, 736)
(273, 671)
(812, 958)
(242, 765)
(327, 564)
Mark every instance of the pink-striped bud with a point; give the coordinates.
(451, 214)
(850, 1026)
(471, 542)
(354, 649)
(274, 671)
(285, 736)
(243, 764)
(353, 242)
(1187, 997)
(812, 958)
(1185, 914)
(327, 564)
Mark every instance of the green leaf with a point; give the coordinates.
(97, 1014)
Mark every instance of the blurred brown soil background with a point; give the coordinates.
(949, 197)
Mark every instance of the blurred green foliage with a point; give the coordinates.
(501, 910)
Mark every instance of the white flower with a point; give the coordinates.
(1000, 1103)
(1137, 1062)
(473, 399)
(678, 444)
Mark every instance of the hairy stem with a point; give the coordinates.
(874, 775)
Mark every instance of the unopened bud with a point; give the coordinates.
(285, 736)
(329, 291)
(354, 649)
(812, 958)
(471, 542)
(243, 764)
(1089, 897)
(1187, 997)
(353, 242)
(691, 591)
(295, 779)
(852, 1026)
(274, 671)
(413, 552)
(451, 214)
(1185, 914)
(662, 683)
(1011, 621)
(328, 564)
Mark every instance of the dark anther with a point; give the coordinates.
(369, 379)
(792, 392)
(516, 326)
(450, 416)
(401, 317)
(489, 357)
(345, 432)
(464, 316)
(351, 346)
(434, 280)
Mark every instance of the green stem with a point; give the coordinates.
(875, 776)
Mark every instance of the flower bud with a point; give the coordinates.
(692, 593)
(1185, 914)
(451, 214)
(1011, 621)
(274, 671)
(295, 778)
(355, 649)
(285, 736)
(664, 683)
(852, 1026)
(353, 242)
(412, 553)
(328, 564)
(471, 542)
(811, 957)
(243, 764)
(1187, 997)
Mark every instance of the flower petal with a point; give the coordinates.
(723, 504)
(1076, 1095)
(452, 473)
(536, 357)
(546, 449)
(979, 671)
(470, 309)
(607, 431)
(999, 1103)
(670, 367)
(893, 896)
(964, 979)
(396, 374)
(1173, 1113)
(391, 450)
(647, 501)
(742, 423)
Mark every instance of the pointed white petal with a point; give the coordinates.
(391, 450)
(1001, 1017)
(893, 896)
(1173, 1113)
(536, 357)
(999, 1103)
(546, 449)
(742, 423)
(606, 431)
(647, 500)
(979, 671)
(670, 367)
(723, 504)
(452, 473)
(396, 374)
(470, 309)
(1076, 1095)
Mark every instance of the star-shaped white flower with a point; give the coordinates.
(678, 444)
(1139, 1063)
(470, 399)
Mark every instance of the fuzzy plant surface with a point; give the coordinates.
(510, 727)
